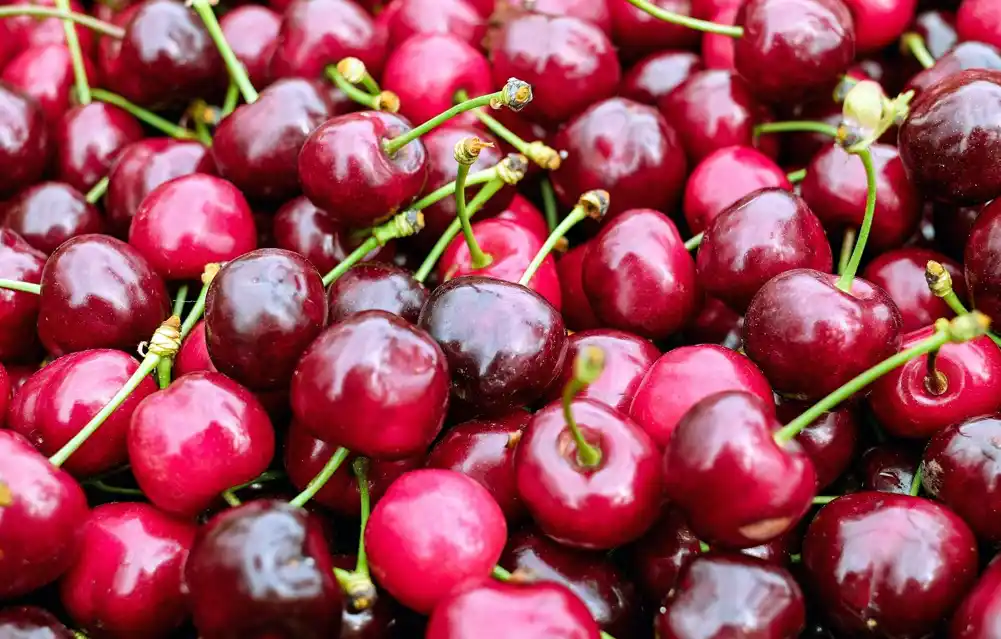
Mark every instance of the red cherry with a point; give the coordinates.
(965, 55)
(5, 393)
(523, 213)
(87, 140)
(658, 74)
(194, 353)
(376, 287)
(830, 442)
(982, 272)
(889, 468)
(718, 49)
(979, 20)
(636, 32)
(432, 531)
(879, 23)
(252, 33)
(596, 12)
(576, 308)
(45, 73)
(716, 324)
(49, 213)
(30, 31)
(901, 273)
(658, 558)
(31, 622)
(978, 617)
(24, 151)
(18, 309)
(457, 18)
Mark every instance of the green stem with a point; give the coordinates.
(236, 70)
(500, 574)
(370, 84)
(360, 467)
(447, 190)
(704, 547)
(821, 500)
(477, 258)
(353, 258)
(231, 499)
(401, 225)
(266, 476)
(549, 203)
(915, 44)
(363, 98)
(76, 56)
(578, 213)
(495, 126)
(114, 490)
(166, 365)
(796, 176)
(97, 191)
(322, 478)
(687, 21)
(916, 482)
(953, 302)
(195, 315)
(97, 26)
(180, 300)
(24, 287)
(845, 281)
(847, 244)
(397, 143)
(587, 367)
(202, 133)
(152, 119)
(231, 100)
(694, 242)
(796, 126)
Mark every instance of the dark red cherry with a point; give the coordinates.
(24, 150)
(576, 309)
(45, 73)
(5, 392)
(484, 450)
(718, 49)
(765, 233)
(938, 28)
(889, 468)
(978, 616)
(801, 316)
(792, 48)
(18, 309)
(658, 74)
(625, 148)
(636, 32)
(99, 292)
(263, 565)
(725, 443)
(979, 20)
(345, 171)
(30, 622)
(966, 55)
(723, 178)
(252, 33)
(127, 579)
(432, 531)
(732, 595)
(901, 581)
(44, 509)
(983, 274)
(639, 277)
(878, 23)
(716, 323)
(901, 273)
(30, 31)
(457, 18)
(657, 559)
(58, 400)
(87, 140)
(830, 441)
(951, 135)
(596, 12)
(201, 435)
(386, 619)
(49, 213)
(385, 378)
(682, 377)
(504, 343)
(952, 225)
(835, 189)
(194, 353)
(376, 287)
(523, 213)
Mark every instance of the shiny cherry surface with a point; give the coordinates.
(252, 31)
(983, 274)
(979, 20)
(45, 73)
(49, 213)
(965, 55)
(18, 309)
(901, 273)
(376, 286)
(576, 309)
(830, 442)
(979, 616)
(879, 23)
(657, 559)
(25, 150)
(87, 140)
(458, 18)
(637, 32)
(658, 74)
(889, 468)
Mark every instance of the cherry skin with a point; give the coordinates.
(458, 18)
(763, 234)
(87, 140)
(657, 559)
(432, 531)
(194, 353)
(201, 435)
(683, 377)
(732, 594)
(978, 616)
(965, 55)
(252, 33)
(982, 273)
(718, 49)
(45, 73)
(99, 292)
(30, 31)
(878, 23)
(594, 11)
(636, 32)
(938, 28)
(264, 564)
(49, 213)
(261, 313)
(386, 619)
(801, 316)
(979, 20)
(29, 622)
(724, 177)
(43, 510)
(345, 171)
(524, 213)
(658, 74)
(18, 309)
(127, 579)
(830, 441)
(717, 324)
(949, 137)
(889, 468)
(625, 148)
(903, 581)
(724, 441)
(791, 48)
(901, 273)
(576, 309)
(639, 277)
(5, 393)
(24, 152)
(376, 287)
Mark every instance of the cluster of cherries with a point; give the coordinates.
(713, 361)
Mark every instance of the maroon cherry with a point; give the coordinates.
(830, 442)
(261, 313)
(376, 287)
(878, 23)
(24, 151)
(5, 393)
(901, 273)
(938, 29)
(639, 277)
(127, 579)
(194, 353)
(637, 32)
(576, 309)
(99, 292)
(385, 619)
(594, 11)
(658, 74)
(87, 140)
(200, 436)
(979, 20)
(252, 33)
(263, 565)
(49, 213)
(45, 73)
(625, 148)
(657, 559)
(978, 617)
(19, 262)
(716, 324)
(983, 274)
(432, 531)
(889, 468)
(30, 622)
(899, 582)
(966, 55)
(458, 18)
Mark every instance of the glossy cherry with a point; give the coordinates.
(718, 49)
(376, 287)
(29, 31)
(252, 33)
(983, 274)
(978, 617)
(25, 150)
(49, 213)
(577, 309)
(457, 18)
(716, 323)
(877, 23)
(901, 273)
(18, 309)
(87, 140)
(889, 468)
(45, 73)
(979, 20)
(30, 622)
(965, 55)
(830, 442)
(194, 353)
(657, 559)
(636, 32)
(658, 74)
(522, 212)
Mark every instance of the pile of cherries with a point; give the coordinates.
(500, 319)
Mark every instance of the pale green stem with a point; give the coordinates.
(845, 281)
(150, 118)
(97, 26)
(397, 143)
(687, 21)
(76, 55)
(97, 191)
(236, 69)
(322, 478)
(24, 287)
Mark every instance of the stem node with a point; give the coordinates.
(467, 150)
(515, 95)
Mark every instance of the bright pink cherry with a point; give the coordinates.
(658, 74)
(87, 140)
(18, 309)
(252, 32)
(979, 20)
(901, 273)
(45, 73)
(49, 213)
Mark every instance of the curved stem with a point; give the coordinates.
(114, 490)
(695, 241)
(446, 190)
(397, 143)
(796, 176)
(847, 244)
(796, 126)
(916, 482)
(231, 100)
(195, 315)
(322, 478)
(401, 225)
(549, 203)
(477, 258)
(578, 213)
(957, 306)
(236, 69)
(915, 44)
(180, 300)
(24, 287)
(845, 281)
(97, 191)
(97, 26)
(363, 98)
(353, 258)
(152, 119)
(687, 21)
(587, 368)
(76, 55)
(360, 467)
(495, 126)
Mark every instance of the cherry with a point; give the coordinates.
(625, 148)
(636, 32)
(979, 20)
(904, 580)
(802, 316)
(385, 619)
(200, 436)
(5, 393)
(386, 379)
(127, 579)
(597, 12)
(948, 138)
(792, 48)
(978, 616)
(966, 55)
(683, 377)
(724, 177)
(484, 450)
(765, 233)
(194, 353)
(18, 309)
(49, 213)
(504, 343)
(252, 33)
(45, 73)
(376, 287)
(87, 141)
(639, 277)
(657, 559)
(830, 442)
(658, 74)
(878, 23)
(263, 565)
(576, 309)
(457, 18)
(717, 48)
(432, 531)
(901, 273)
(262, 311)
(716, 324)
(24, 151)
(982, 273)
(43, 508)
(99, 292)
(732, 594)
(523, 213)
(29, 622)
(30, 31)
(889, 468)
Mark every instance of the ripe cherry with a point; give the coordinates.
(523, 213)
(252, 33)
(376, 287)
(18, 309)
(636, 32)
(657, 559)
(658, 74)
(965, 55)
(982, 272)
(979, 20)
(25, 151)
(901, 273)
(889, 468)
(978, 616)
(194, 353)
(877, 23)
(830, 442)
(457, 18)
(45, 73)
(716, 323)
(87, 140)
(49, 213)
(576, 309)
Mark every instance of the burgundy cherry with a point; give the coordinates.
(49, 213)
(576, 309)
(938, 28)
(658, 558)
(18, 309)
(979, 20)
(87, 140)
(658, 74)
(879, 23)
(457, 18)
(901, 581)
(99, 292)
(24, 151)
(889, 468)
(966, 55)
(261, 313)
(29, 622)
(194, 353)
(636, 32)
(432, 531)
(983, 274)
(252, 33)
(830, 442)
(376, 287)
(127, 579)
(45, 73)
(717, 324)
(979, 617)
(901, 273)
(201, 435)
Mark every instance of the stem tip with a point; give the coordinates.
(352, 69)
(468, 149)
(515, 95)
(964, 328)
(589, 364)
(387, 101)
(595, 203)
(512, 168)
(939, 280)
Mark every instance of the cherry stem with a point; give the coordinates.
(83, 93)
(447, 190)
(537, 151)
(358, 585)
(163, 369)
(687, 21)
(587, 368)
(166, 126)
(916, 482)
(95, 25)
(360, 468)
(24, 287)
(796, 176)
(936, 382)
(694, 242)
(97, 191)
(402, 225)
(593, 204)
(501, 574)
(361, 97)
(321, 478)
(237, 72)
(467, 150)
(796, 126)
(163, 345)
(940, 283)
(166, 367)
(914, 44)
(847, 244)
(549, 203)
(231, 100)
(704, 547)
(99, 484)
(232, 500)
(848, 275)
(817, 501)
(354, 72)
